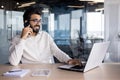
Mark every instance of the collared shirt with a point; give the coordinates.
(36, 49)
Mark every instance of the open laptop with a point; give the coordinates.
(95, 58)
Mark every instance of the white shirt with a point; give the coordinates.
(38, 49)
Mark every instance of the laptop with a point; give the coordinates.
(95, 58)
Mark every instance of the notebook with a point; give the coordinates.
(95, 58)
(16, 73)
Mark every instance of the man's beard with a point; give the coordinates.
(36, 28)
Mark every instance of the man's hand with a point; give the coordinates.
(74, 62)
(26, 32)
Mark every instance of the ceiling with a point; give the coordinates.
(76, 4)
(52, 3)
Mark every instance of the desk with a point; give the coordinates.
(104, 72)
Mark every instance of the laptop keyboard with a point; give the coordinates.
(77, 67)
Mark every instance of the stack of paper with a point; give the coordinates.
(16, 72)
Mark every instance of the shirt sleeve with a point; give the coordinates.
(16, 51)
(59, 54)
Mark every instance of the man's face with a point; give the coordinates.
(35, 22)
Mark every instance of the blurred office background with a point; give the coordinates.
(75, 25)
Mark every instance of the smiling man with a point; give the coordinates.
(34, 46)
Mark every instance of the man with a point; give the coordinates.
(34, 46)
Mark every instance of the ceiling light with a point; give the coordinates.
(45, 10)
(26, 4)
(76, 6)
(17, 3)
(85, 0)
(93, 0)
(99, 9)
(92, 3)
(2, 6)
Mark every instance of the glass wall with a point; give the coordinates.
(95, 24)
(3, 38)
(11, 24)
(62, 32)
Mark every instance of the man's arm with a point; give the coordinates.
(17, 46)
(60, 55)
(16, 51)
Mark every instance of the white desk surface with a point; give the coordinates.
(109, 71)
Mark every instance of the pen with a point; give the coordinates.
(14, 71)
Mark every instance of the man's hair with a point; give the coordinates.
(35, 9)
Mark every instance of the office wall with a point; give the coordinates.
(112, 29)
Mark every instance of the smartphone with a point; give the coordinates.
(26, 24)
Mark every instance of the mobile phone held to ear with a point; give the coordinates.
(26, 24)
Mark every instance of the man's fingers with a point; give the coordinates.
(74, 62)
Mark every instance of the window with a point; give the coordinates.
(95, 25)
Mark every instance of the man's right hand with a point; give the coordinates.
(27, 31)
(74, 62)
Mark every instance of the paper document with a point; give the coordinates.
(16, 72)
(41, 72)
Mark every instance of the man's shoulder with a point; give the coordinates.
(43, 33)
(16, 38)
